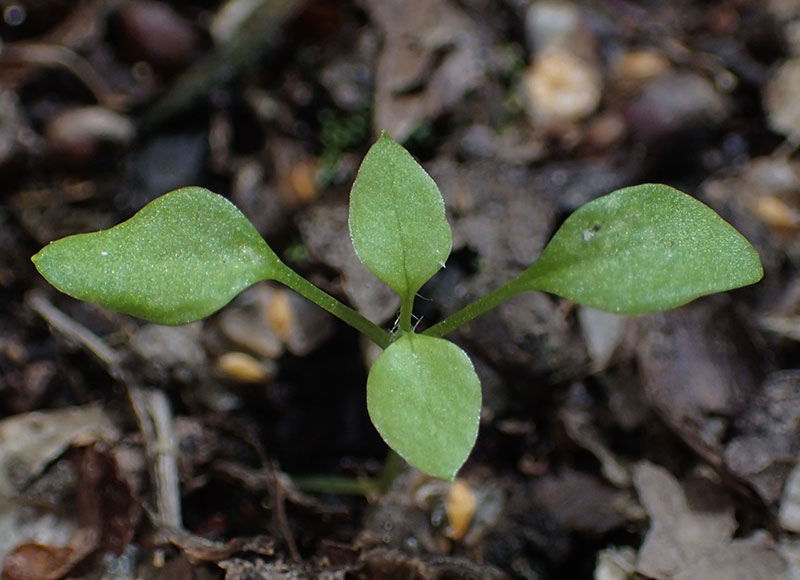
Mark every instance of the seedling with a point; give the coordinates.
(188, 253)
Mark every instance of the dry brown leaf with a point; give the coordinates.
(698, 367)
(767, 441)
(34, 561)
(691, 532)
(29, 442)
(431, 57)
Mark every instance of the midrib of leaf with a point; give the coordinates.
(407, 302)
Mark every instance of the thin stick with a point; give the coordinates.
(279, 507)
(324, 300)
(74, 331)
(54, 55)
(155, 420)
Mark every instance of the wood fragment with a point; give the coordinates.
(154, 415)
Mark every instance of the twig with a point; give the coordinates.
(269, 478)
(150, 406)
(155, 420)
(154, 416)
(279, 507)
(76, 332)
(52, 55)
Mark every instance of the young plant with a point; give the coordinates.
(188, 253)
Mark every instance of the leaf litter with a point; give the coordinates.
(707, 392)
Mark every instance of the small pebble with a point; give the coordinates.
(154, 33)
(302, 179)
(605, 130)
(167, 162)
(230, 18)
(75, 136)
(602, 333)
(300, 324)
(280, 314)
(615, 563)
(563, 84)
(478, 141)
(249, 332)
(671, 105)
(776, 213)
(171, 347)
(561, 87)
(780, 100)
(789, 512)
(551, 24)
(270, 318)
(633, 69)
(349, 84)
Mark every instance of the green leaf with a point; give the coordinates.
(179, 259)
(643, 249)
(424, 398)
(397, 221)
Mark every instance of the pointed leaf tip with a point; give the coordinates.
(643, 249)
(180, 258)
(397, 218)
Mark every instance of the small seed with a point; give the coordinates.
(460, 507)
(243, 368)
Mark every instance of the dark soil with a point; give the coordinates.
(655, 447)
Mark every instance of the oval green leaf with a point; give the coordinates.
(424, 398)
(180, 258)
(643, 249)
(397, 219)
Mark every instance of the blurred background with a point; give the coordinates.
(239, 447)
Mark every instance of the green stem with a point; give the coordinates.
(324, 300)
(406, 310)
(368, 487)
(480, 306)
(338, 485)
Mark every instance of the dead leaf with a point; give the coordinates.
(698, 367)
(754, 558)
(105, 502)
(34, 561)
(29, 442)
(200, 548)
(767, 442)
(691, 532)
(431, 57)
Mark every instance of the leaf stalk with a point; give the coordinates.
(307, 290)
(480, 306)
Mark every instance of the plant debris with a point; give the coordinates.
(661, 446)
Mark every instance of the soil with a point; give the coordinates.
(239, 447)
